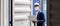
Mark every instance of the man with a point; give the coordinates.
(39, 14)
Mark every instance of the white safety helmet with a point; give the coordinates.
(36, 3)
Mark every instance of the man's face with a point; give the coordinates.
(37, 8)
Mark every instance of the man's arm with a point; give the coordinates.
(40, 17)
(43, 17)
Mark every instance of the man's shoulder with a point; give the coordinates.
(40, 12)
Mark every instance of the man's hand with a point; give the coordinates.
(34, 21)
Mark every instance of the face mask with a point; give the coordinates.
(36, 8)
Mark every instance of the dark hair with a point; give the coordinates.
(36, 5)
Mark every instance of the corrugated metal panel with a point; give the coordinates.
(22, 10)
